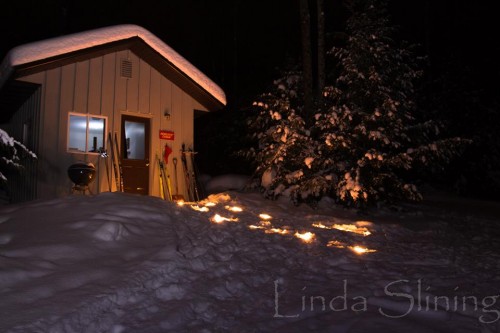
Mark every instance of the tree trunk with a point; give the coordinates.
(321, 68)
(305, 29)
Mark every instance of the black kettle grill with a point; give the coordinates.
(81, 174)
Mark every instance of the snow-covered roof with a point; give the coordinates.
(49, 48)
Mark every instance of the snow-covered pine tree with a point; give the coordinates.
(286, 149)
(367, 140)
(11, 152)
(371, 137)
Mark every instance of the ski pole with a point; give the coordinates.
(104, 155)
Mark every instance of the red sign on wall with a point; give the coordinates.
(166, 135)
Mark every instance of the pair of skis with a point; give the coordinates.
(191, 175)
(164, 180)
(164, 176)
(116, 160)
(176, 196)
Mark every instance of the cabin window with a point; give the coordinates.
(86, 133)
(135, 139)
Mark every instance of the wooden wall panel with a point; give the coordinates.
(155, 92)
(144, 73)
(120, 99)
(108, 88)
(67, 101)
(82, 86)
(108, 104)
(166, 122)
(52, 172)
(120, 93)
(176, 124)
(95, 86)
(154, 105)
(94, 107)
(132, 92)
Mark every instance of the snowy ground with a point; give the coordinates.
(122, 263)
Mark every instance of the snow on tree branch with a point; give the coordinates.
(364, 139)
(11, 152)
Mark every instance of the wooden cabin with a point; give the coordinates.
(65, 97)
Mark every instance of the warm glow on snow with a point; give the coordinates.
(352, 228)
(335, 243)
(361, 250)
(265, 223)
(276, 231)
(219, 219)
(306, 236)
(321, 226)
(200, 209)
(235, 209)
(261, 225)
(265, 216)
(254, 227)
(344, 227)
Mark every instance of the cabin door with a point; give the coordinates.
(135, 142)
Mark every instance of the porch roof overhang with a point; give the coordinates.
(12, 96)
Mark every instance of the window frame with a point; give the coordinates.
(87, 127)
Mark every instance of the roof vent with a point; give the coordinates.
(126, 68)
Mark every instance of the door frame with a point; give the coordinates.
(138, 163)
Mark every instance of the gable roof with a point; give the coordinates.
(52, 52)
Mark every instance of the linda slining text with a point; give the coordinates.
(407, 303)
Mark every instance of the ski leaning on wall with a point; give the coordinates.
(104, 155)
(191, 172)
(113, 158)
(176, 196)
(187, 177)
(118, 156)
(195, 177)
(166, 174)
(161, 178)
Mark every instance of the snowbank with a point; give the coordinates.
(124, 263)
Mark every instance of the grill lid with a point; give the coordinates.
(81, 174)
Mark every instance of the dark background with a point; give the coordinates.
(237, 44)
(243, 45)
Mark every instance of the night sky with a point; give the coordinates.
(244, 45)
(241, 45)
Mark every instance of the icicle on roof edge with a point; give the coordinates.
(48, 48)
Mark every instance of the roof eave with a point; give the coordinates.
(141, 49)
(43, 55)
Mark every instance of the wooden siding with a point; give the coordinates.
(95, 86)
(23, 185)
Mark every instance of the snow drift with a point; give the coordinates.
(124, 263)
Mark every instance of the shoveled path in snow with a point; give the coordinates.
(123, 263)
